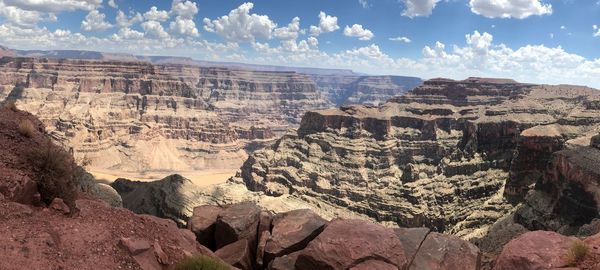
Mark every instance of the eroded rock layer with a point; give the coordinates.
(137, 117)
(439, 156)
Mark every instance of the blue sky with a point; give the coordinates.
(542, 41)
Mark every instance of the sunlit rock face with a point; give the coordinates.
(445, 155)
(137, 117)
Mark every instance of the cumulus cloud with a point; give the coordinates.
(95, 21)
(23, 18)
(241, 26)
(519, 9)
(184, 9)
(112, 4)
(156, 15)
(124, 21)
(358, 31)
(291, 31)
(127, 34)
(401, 39)
(184, 27)
(326, 24)
(417, 8)
(54, 5)
(596, 30)
(153, 29)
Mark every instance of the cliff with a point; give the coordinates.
(442, 156)
(138, 117)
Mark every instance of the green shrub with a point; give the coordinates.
(576, 253)
(201, 263)
(26, 128)
(55, 174)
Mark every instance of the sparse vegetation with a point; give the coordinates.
(11, 105)
(576, 253)
(26, 128)
(54, 172)
(201, 263)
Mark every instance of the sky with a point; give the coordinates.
(537, 41)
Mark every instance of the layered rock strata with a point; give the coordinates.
(439, 156)
(138, 117)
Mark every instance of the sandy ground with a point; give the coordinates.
(200, 178)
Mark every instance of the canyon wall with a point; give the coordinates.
(139, 117)
(449, 155)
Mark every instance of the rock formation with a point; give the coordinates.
(90, 234)
(442, 156)
(301, 240)
(139, 117)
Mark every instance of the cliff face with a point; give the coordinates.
(439, 156)
(135, 116)
(353, 89)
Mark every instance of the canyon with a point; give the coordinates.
(145, 121)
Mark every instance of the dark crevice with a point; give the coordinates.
(417, 251)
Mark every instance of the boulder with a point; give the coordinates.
(292, 231)
(264, 224)
(59, 205)
(260, 249)
(285, 262)
(447, 252)
(237, 254)
(534, 250)
(345, 243)
(237, 222)
(108, 194)
(411, 239)
(203, 223)
(135, 246)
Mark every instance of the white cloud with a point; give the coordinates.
(562, 27)
(127, 34)
(23, 18)
(291, 31)
(417, 8)
(184, 27)
(401, 39)
(154, 30)
(596, 30)
(358, 31)
(326, 24)
(519, 9)
(363, 3)
(54, 5)
(95, 21)
(184, 9)
(112, 4)
(241, 26)
(124, 21)
(156, 15)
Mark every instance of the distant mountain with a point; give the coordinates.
(95, 55)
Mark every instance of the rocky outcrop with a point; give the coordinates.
(440, 156)
(300, 239)
(79, 232)
(136, 117)
(353, 89)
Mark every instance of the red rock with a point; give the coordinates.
(260, 249)
(292, 231)
(59, 205)
(203, 223)
(135, 246)
(346, 243)
(374, 264)
(285, 262)
(237, 254)
(447, 252)
(534, 250)
(161, 256)
(264, 224)
(237, 222)
(411, 239)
